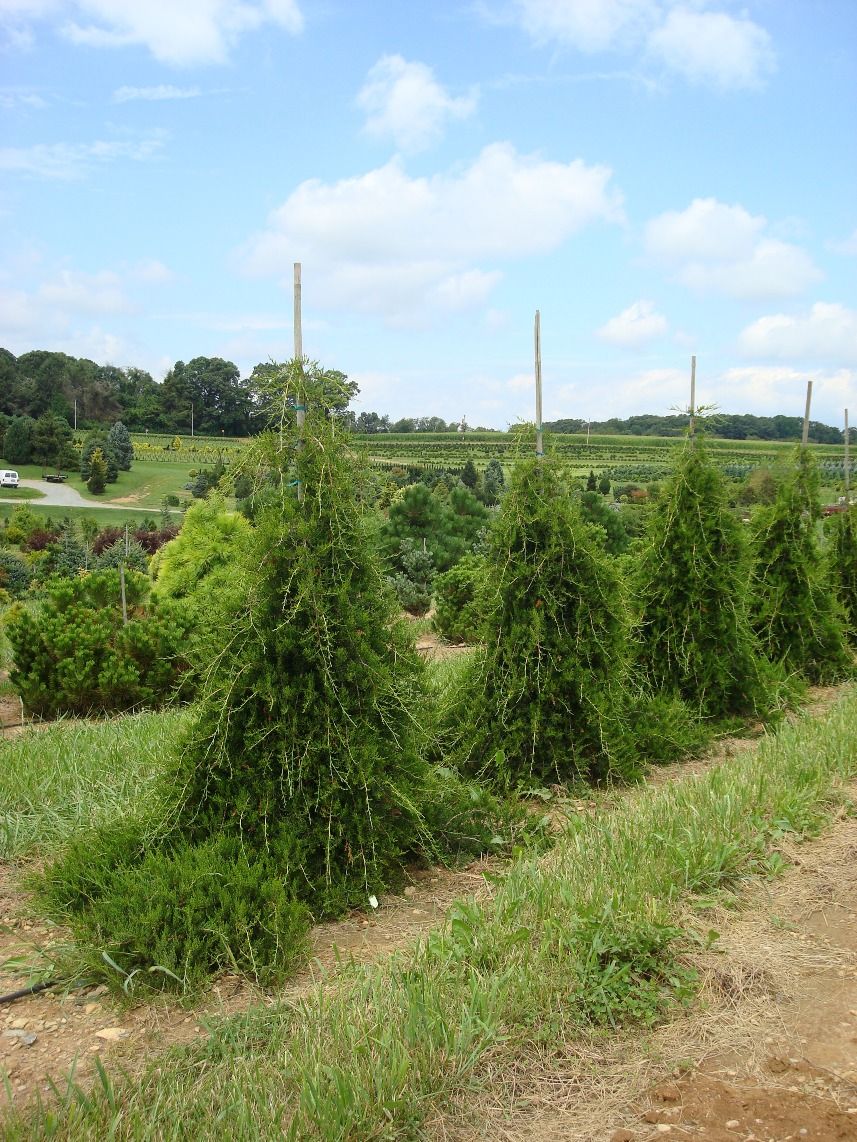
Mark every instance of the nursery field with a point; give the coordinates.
(682, 955)
(628, 457)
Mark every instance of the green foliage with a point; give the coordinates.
(300, 782)
(604, 484)
(69, 555)
(53, 442)
(460, 598)
(73, 655)
(121, 553)
(694, 632)
(469, 475)
(97, 466)
(545, 700)
(97, 442)
(119, 443)
(18, 440)
(842, 539)
(14, 574)
(594, 510)
(176, 912)
(493, 482)
(413, 580)
(447, 525)
(795, 611)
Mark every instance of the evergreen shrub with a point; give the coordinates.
(73, 655)
(545, 700)
(301, 786)
(460, 600)
(796, 610)
(842, 547)
(694, 635)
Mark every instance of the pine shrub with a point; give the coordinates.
(74, 655)
(460, 600)
(796, 611)
(545, 699)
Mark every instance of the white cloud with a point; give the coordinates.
(153, 272)
(828, 332)
(588, 25)
(700, 45)
(713, 48)
(404, 101)
(766, 389)
(183, 34)
(724, 249)
(634, 326)
(389, 243)
(74, 160)
(521, 382)
(95, 294)
(12, 98)
(163, 91)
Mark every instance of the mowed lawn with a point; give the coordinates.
(144, 486)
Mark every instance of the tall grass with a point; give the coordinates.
(587, 934)
(60, 780)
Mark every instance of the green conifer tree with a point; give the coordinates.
(544, 700)
(695, 638)
(843, 566)
(97, 481)
(795, 609)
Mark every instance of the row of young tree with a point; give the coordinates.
(319, 761)
(729, 426)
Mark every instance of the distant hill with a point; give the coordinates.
(729, 426)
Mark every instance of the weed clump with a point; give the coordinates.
(545, 699)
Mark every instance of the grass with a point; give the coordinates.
(60, 780)
(103, 516)
(21, 494)
(588, 934)
(146, 483)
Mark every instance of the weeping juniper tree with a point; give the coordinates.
(544, 700)
(308, 738)
(695, 639)
(301, 784)
(795, 611)
(842, 540)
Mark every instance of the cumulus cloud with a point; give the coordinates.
(714, 48)
(698, 44)
(74, 292)
(163, 91)
(386, 242)
(403, 101)
(192, 32)
(634, 326)
(724, 249)
(828, 332)
(74, 160)
(763, 389)
(848, 247)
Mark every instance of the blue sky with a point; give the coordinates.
(659, 178)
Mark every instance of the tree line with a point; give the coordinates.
(728, 426)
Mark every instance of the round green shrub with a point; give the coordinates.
(460, 600)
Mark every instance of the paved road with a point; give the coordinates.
(61, 496)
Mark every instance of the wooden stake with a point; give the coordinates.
(693, 395)
(300, 408)
(805, 437)
(124, 603)
(847, 463)
(538, 340)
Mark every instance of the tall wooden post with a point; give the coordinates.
(538, 346)
(693, 396)
(805, 438)
(847, 463)
(300, 407)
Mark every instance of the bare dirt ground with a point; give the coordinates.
(768, 1054)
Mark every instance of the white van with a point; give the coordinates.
(8, 479)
